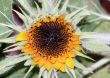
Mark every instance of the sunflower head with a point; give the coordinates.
(50, 39)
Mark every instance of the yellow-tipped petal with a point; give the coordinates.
(63, 69)
(70, 62)
(22, 36)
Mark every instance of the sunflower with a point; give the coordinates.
(49, 38)
(50, 41)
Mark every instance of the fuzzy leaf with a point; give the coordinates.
(45, 74)
(5, 15)
(95, 45)
(3, 62)
(83, 55)
(5, 7)
(63, 75)
(8, 40)
(41, 72)
(55, 10)
(5, 34)
(12, 61)
(14, 27)
(79, 65)
(73, 72)
(14, 49)
(3, 71)
(14, 45)
(26, 5)
(28, 62)
(19, 71)
(30, 69)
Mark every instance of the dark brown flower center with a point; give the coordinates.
(51, 38)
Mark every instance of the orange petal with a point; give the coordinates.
(64, 55)
(76, 42)
(21, 36)
(75, 38)
(27, 49)
(72, 54)
(38, 61)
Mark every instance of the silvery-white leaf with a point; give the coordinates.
(13, 49)
(64, 7)
(14, 27)
(30, 69)
(12, 61)
(6, 17)
(28, 62)
(55, 72)
(3, 62)
(5, 33)
(8, 40)
(72, 72)
(83, 55)
(95, 45)
(26, 5)
(16, 44)
(41, 72)
(55, 9)
(79, 65)
(104, 37)
(3, 71)
(45, 74)
(69, 16)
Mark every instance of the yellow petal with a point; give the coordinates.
(22, 36)
(76, 38)
(48, 65)
(40, 62)
(57, 65)
(77, 47)
(53, 60)
(61, 18)
(70, 62)
(62, 68)
(61, 59)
